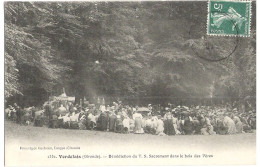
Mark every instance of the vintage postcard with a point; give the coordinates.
(92, 83)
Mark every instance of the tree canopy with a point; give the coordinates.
(122, 49)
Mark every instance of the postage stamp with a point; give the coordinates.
(229, 18)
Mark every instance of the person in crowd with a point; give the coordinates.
(206, 127)
(116, 107)
(230, 124)
(220, 127)
(137, 117)
(19, 113)
(112, 120)
(62, 110)
(126, 124)
(8, 111)
(91, 121)
(172, 120)
(65, 121)
(54, 121)
(48, 112)
(74, 119)
(188, 124)
(103, 121)
(39, 120)
(71, 108)
(82, 122)
(238, 123)
(160, 126)
(147, 124)
(168, 125)
(175, 124)
(33, 110)
(25, 119)
(196, 124)
(119, 124)
(252, 120)
(154, 124)
(246, 126)
(130, 112)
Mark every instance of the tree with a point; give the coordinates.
(121, 49)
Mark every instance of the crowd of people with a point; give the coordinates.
(119, 118)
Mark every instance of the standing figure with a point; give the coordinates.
(168, 125)
(112, 121)
(138, 123)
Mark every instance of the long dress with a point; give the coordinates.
(230, 124)
(168, 127)
(138, 123)
(112, 121)
(160, 128)
(175, 125)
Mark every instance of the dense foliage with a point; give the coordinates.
(121, 50)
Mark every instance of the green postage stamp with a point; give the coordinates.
(229, 18)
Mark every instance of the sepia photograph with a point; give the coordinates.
(90, 83)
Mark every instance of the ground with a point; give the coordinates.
(235, 148)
